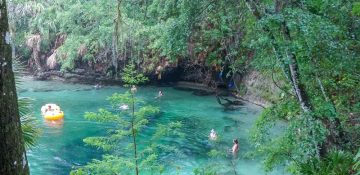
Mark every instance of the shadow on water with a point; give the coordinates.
(202, 93)
(54, 123)
(72, 155)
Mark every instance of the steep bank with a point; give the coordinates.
(77, 76)
(257, 88)
(85, 76)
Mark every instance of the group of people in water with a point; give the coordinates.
(133, 91)
(235, 148)
(212, 136)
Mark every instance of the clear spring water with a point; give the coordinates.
(60, 147)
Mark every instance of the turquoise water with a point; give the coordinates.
(60, 146)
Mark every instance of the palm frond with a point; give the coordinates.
(28, 122)
(29, 131)
(25, 106)
(19, 69)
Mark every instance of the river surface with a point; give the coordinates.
(60, 147)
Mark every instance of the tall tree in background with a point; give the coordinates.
(305, 43)
(13, 156)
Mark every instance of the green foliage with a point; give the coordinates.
(205, 171)
(320, 40)
(28, 122)
(127, 124)
(323, 36)
(107, 166)
(356, 8)
(216, 157)
(147, 33)
(336, 162)
(356, 166)
(131, 77)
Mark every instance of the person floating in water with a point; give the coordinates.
(48, 109)
(235, 147)
(213, 135)
(160, 94)
(98, 86)
(124, 107)
(133, 89)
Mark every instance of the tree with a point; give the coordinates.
(308, 49)
(13, 158)
(29, 128)
(130, 118)
(302, 42)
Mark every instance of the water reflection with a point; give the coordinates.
(54, 123)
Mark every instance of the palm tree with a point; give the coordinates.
(28, 122)
(13, 158)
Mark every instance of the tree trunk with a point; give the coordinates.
(115, 48)
(134, 135)
(37, 59)
(297, 86)
(290, 69)
(334, 127)
(12, 151)
(115, 55)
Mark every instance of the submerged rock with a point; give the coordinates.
(203, 93)
(228, 129)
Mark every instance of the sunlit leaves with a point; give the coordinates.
(171, 129)
(122, 138)
(357, 162)
(99, 142)
(101, 116)
(117, 99)
(356, 8)
(109, 165)
(29, 128)
(131, 76)
(336, 162)
(321, 40)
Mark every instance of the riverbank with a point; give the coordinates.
(77, 76)
(253, 87)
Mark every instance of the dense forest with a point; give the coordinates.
(305, 55)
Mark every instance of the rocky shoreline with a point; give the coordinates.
(84, 77)
(76, 77)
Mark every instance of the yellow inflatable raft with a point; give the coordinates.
(52, 112)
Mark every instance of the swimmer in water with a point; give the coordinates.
(160, 94)
(124, 107)
(213, 135)
(48, 109)
(133, 89)
(98, 86)
(235, 147)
